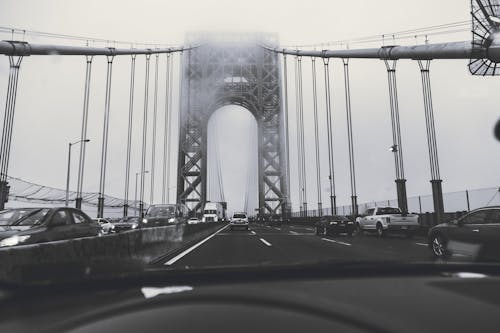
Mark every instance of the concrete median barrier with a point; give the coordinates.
(76, 256)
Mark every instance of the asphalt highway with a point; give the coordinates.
(295, 245)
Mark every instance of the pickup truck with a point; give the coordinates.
(383, 220)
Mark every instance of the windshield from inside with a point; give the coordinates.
(263, 139)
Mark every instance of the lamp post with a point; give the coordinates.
(69, 166)
(135, 199)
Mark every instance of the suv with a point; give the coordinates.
(239, 220)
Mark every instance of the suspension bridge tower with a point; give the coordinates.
(228, 69)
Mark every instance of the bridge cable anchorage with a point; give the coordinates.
(316, 137)
(352, 169)
(299, 146)
(437, 192)
(153, 140)
(331, 175)
(105, 131)
(396, 148)
(129, 137)
(8, 124)
(166, 130)
(83, 136)
(144, 137)
(287, 135)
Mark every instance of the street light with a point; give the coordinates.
(135, 199)
(69, 166)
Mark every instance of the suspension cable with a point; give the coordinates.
(129, 133)
(144, 136)
(287, 135)
(166, 131)
(299, 146)
(316, 137)
(153, 141)
(104, 151)
(331, 175)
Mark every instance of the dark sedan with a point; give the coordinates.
(163, 215)
(46, 225)
(127, 223)
(476, 235)
(334, 225)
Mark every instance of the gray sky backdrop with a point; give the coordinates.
(50, 93)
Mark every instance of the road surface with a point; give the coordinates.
(294, 245)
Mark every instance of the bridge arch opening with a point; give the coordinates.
(232, 158)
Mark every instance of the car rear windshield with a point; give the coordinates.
(239, 216)
(388, 210)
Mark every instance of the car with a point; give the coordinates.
(275, 220)
(127, 223)
(49, 224)
(383, 220)
(239, 220)
(334, 225)
(476, 234)
(165, 214)
(106, 225)
(193, 220)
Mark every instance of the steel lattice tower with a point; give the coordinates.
(237, 72)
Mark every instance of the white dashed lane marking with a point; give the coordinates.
(337, 242)
(265, 242)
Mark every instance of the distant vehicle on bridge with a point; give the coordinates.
(334, 225)
(106, 225)
(239, 220)
(42, 225)
(127, 223)
(165, 214)
(476, 235)
(214, 212)
(384, 220)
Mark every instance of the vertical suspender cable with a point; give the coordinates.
(397, 148)
(352, 171)
(144, 136)
(301, 123)
(104, 150)
(287, 137)
(166, 139)
(8, 124)
(153, 141)
(331, 175)
(299, 147)
(129, 134)
(83, 137)
(169, 158)
(316, 137)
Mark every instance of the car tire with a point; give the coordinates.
(380, 230)
(318, 231)
(438, 246)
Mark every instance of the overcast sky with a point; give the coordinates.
(50, 92)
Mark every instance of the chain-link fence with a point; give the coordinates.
(460, 201)
(27, 194)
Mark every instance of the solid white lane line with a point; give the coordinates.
(334, 241)
(182, 254)
(422, 244)
(265, 242)
(253, 232)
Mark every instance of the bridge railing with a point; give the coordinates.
(459, 201)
